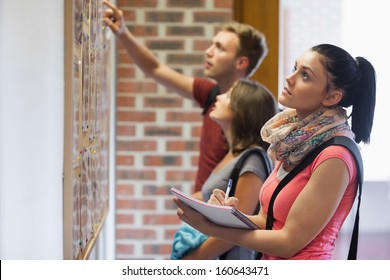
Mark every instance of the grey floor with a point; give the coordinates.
(374, 233)
(372, 246)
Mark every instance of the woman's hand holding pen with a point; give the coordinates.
(218, 198)
(114, 19)
(196, 219)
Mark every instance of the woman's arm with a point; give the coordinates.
(247, 191)
(309, 214)
(143, 57)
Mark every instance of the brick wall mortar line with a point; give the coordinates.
(138, 161)
(160, 147)
(209, 5)
(162, 30)
(162, 4)
(140, 15)
(138, 74)
(160, 117)
(160, 175)
(139, 102)
(139, 131)
(187, 131)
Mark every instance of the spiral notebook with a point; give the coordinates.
(222, 215)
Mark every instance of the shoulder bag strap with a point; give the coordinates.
(234, 175)
(210, 98)
(351, 145)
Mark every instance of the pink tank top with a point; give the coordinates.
(322, 245)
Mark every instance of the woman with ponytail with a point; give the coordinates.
(311, 209)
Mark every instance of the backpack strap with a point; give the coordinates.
(339, 141)
(234, 175)
(354, 149)
(211, 98)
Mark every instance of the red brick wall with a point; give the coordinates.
(157, 132)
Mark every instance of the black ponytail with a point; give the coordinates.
(363, 108)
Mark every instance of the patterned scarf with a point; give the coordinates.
(292, 139)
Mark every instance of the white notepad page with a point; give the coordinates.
(221, 215)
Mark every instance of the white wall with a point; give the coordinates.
(31, 127)
(32, 133)
(363, 26)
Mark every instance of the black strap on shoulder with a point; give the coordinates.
(353, 148)
(210, 98)
(238, 166)
(234, 175)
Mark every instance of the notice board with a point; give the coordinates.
(87, 112)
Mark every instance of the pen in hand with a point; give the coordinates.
(229, 187)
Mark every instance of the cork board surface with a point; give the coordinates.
(87, 112)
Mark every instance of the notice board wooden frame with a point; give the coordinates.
(87, 125)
